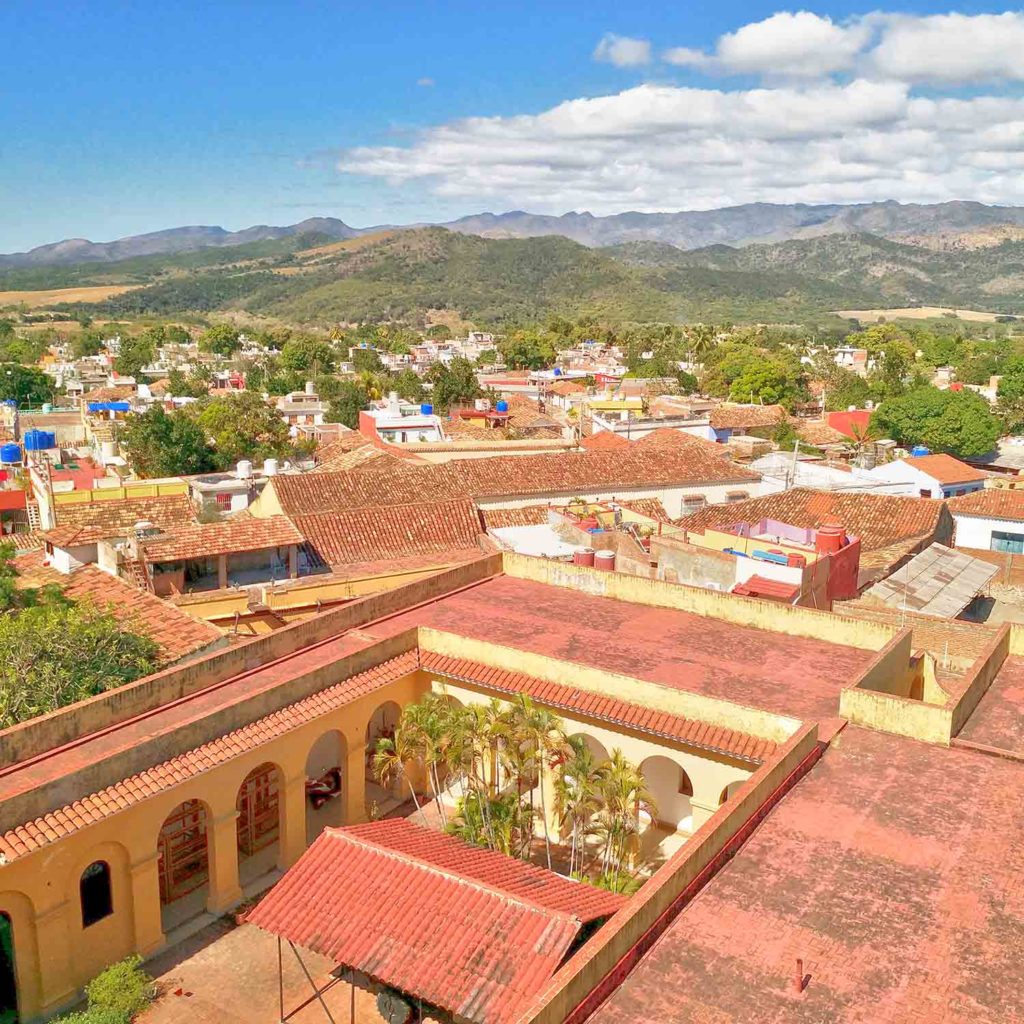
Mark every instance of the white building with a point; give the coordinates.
(931, 476)
(990, 520)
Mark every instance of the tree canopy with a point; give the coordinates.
(958, 422)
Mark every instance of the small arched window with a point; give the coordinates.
(685, 785)
(95, 893)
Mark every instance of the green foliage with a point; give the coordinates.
(366, 360)
(136, 352)
(28, 350)
(123, 989)
(195, 385)
(1010, 394)
(94, 1016)
(221, 339)
(87, 343)
(744, 372)
(454, 384)
(408, 385)
(346, 404)
(307, 355)
(166, 444)
(55, 653)
(688, 383)
(958, 422)
(241, 426)
(25, 384)
(528, 349)
(844, 388)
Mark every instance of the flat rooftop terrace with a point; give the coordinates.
(788, 675)
(894, 869)
(998, 720)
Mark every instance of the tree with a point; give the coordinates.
(346, 404)
(527, 349)
(25, 384)
(220, 339)
(56, 652)
(366, 360)
(86, 343)
(137, 352)
(408, 385)
(958, 422)
(166, 444)
(241, 426)
(453, 384)
(1011, 394)
(306, 355)
(192, 386)
(439, 332)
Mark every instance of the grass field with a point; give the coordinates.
(917, 313)
(52, 296)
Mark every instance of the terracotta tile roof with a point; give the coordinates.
(244, 533)
(605, 441)
(815, 432)
(666, 437)
(90, 521)
(566, 387)
(176, 632)
(761, 586)
(879, 520)
(31, 541)
(643, 719)
(469, 947)
(990, 503)
(528, 515)
(652, 508)
(98, 806)
(393, 531)
(743, 417)
(520, 879)
(945, 469)
(111, 394)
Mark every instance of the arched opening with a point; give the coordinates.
(184, 864)
(325, 801)
(95, 893)
(259, 823)
(729, 790)
(381, 726)
(671, 789)
(597, 749)
(8, 978)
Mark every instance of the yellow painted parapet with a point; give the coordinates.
(129, 489)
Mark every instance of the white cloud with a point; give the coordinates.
(425, 83)
(661, 147)
(799, 44)
(952, 48)
(622, 51)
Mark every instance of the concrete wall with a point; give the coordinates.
(634, 928)
(768, 615)
(975, 532)
(692, 565)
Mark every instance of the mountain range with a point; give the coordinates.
(938, 226)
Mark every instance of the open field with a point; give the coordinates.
(917, 313)
(51, 296)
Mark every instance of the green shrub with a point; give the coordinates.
(123, 989)
(95, 1016)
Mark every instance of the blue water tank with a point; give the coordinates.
(501, 405)
(10, 454)
(557, 371)
(13, 402)
(119, 406)
(40, 440)
(426, 409)
(918, 450)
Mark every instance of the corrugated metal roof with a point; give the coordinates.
(471, 947)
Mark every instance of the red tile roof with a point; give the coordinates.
(528, 515)
(604, 441)
(878, 519)
(393, 531)
(565, 387)
(243, 533)
(652, 508)
(569, 698)
(990, 503)
(761, 586)
(945, 469)
(470, 947)
(176, 632)
(55, 825)
(743, 417)
(90, 521)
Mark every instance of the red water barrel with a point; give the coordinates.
(829, 538)
(604, 560)
(589, 524)
(798, 561)
(584, 556)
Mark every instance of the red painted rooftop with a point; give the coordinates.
(788, 675)
(402, 910)
(894, 870)
(998, 720)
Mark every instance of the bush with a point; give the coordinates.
(118, 993)
(94, 1016)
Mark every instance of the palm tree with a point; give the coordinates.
(625, 796)
(576, 794)
(428, 723)
(548, 740)
(391, 757)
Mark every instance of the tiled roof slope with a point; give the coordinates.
(203, 540)
(945, 469)
(174, 630)
(450, 941)
(990, 503)
(604, 441)
(91, 521)
(371, 534)
(652, 508)
(743, 417)
(878, 519)
(596, 705)
(523, 881)
(528, 515)
(90, 809)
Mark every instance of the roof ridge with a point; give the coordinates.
(474, 883)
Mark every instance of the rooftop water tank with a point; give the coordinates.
(557, 371)
(501, 405)
(270, 467)
(10, 454)
(40, 440)
(829, 538)
(47, 407)
(13, 402)
(426, 409)
(604, 560)
(583, 556)
(918, 450)
(244, 470)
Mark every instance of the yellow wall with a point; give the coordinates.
(130, 489)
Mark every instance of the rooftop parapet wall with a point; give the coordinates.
(753, 721)
(576, 989)
(29, 739)
(767, 615)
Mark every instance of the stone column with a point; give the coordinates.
(353, 784)
(56, 987)
(222, 571)
(292, 800)
(148, 926)
(222, 840)
(702, 811)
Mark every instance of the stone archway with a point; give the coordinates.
(258, 804)
(183, 852)
(671, 789)
(325, 784)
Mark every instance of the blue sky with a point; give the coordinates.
(119, 118)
